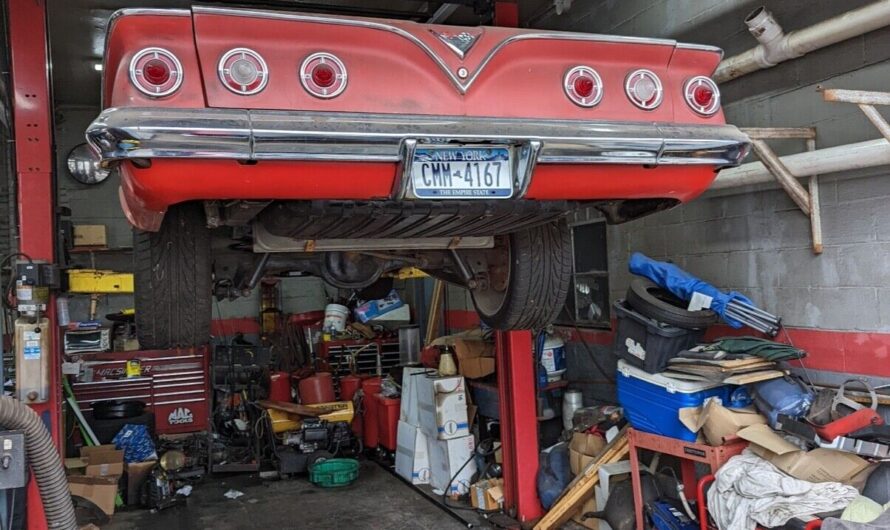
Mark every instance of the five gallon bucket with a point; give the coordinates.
(335, 317)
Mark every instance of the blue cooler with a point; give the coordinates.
(652, 402)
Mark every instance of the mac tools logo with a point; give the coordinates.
(180, 416)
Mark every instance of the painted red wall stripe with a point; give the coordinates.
(858, 352)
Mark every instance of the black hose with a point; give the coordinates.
(44, 460)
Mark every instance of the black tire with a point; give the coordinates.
(106, 430)
(172, 281)
(652, 301)
(540, 272)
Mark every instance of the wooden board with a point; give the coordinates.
(724, 363)
(293, 408)
(711, 369)
(581, 488)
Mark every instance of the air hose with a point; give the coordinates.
(44, 460)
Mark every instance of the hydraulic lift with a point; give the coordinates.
(33, 135)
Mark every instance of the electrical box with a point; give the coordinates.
(12, 460)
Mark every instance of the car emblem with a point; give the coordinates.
(459, 43)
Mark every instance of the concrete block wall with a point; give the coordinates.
(755, 240)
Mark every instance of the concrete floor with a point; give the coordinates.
(377, 500)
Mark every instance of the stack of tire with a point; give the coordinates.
(654, 326)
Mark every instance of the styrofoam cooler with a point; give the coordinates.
(652, 402)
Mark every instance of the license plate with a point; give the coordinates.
(462, 173)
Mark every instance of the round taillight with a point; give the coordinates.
(644, 89)
(702, 95)
(583, 86)
(156, 72)
(243, 71)
(323, 75)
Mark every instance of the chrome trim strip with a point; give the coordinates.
(526, 161)
(701, 47)
(462, 86)
(402, 180)
(128, 133)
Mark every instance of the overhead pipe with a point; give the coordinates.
(848, 157)
(776, 46)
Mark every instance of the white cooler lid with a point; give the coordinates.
(669, 383)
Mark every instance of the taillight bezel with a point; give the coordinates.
(568, 85)
(629, 83)
(341, 78)
(252, 56)
(150, 89)
(689, 95)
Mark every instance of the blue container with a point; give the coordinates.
(652, 402)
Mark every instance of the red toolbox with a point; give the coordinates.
(174, 385)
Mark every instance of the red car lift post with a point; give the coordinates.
(32, 113)
(519, 423)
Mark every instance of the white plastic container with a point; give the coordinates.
(572, 400)
(554, 357)
(335, 317)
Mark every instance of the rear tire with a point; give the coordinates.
(540, 272)
(172, 281)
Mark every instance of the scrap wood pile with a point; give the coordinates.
(573, 497)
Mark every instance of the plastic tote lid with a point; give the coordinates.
(668, 383)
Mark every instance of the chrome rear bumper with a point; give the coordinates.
(128, 133)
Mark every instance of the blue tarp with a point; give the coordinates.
(682, 284)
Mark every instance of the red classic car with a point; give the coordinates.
(351, 147)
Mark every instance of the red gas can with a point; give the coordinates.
(318, 388)
(349, 385)
(279, 386)
(387, 421)
(370, 387)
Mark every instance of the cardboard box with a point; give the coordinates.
(717, 422)
(442, 404)
(411, 379)
(475, 358)
(487, 494)
(583, 449)
(89, 236)
(103, 461)
(137, 474)
(412, 454)
(818, 465)
(100, 490)
(446, 458)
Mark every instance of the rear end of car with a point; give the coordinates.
(441, 134)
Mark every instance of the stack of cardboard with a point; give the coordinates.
(739, 370)
(102, 467)
(434, 440)
(412, 452)
(475, 354)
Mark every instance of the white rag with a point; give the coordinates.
(749, 491)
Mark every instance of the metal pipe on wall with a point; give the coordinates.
(776, 46)
(848, 157)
